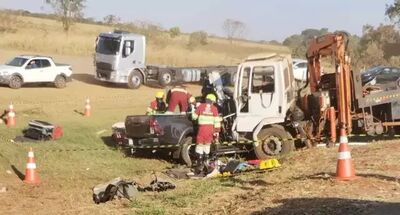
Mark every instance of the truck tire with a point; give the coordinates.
(60, 82)
(274, 141)
(187, 151)
(135, 80)
(15, 82)
(165, 78)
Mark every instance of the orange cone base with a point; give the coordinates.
(87, 113)
(11, 122)
(345, 170)
(31, 178)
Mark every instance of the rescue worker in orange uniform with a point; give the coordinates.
(209, 126)
(158, 105)
(178, 96)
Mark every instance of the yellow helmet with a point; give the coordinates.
(160, 95)
(211, 97)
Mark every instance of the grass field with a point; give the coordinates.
(303, 185)
(46, 36)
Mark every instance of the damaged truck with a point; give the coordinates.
(255, 115)
(266, 114)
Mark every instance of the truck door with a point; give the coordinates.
(33, 71)
(257, 96)
(132, 54)
(47, 73)
(262, 97)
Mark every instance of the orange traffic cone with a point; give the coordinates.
(11, 121)
(88, 108)
(31, 177)
(345, 168)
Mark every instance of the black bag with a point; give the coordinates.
(39, 130)
(119, 189)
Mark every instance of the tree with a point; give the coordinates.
(68, 11)
(393, 11)
(174, 32)
(382, 36)
(298, 42)
(197, 38)
(233, 29)
(111, 19)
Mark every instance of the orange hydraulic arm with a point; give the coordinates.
(334, 45)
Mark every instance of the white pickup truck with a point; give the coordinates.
(34, 69)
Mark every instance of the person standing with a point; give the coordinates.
(178, 96)
(158, 105)
(209, 126)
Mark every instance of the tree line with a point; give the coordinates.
(377, 45)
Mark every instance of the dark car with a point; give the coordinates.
(382, 76)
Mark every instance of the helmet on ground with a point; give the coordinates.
(160, 95)
(211, 97)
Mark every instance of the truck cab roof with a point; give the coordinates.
(267, 56)
(33, 56)
(119, 34)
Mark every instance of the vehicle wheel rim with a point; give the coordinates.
(272, 145)
(167, 77)
(135, 80)
(15, 82)
(60, 82)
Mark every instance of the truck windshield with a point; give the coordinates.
(107, 45)
(18, 61)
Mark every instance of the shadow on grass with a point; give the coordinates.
(245, 184)
(33, 85)
(79, 112)
(327, 176)
(165, 155)
(18, 173)
(330, 206)
(369, 139)
(89, 79)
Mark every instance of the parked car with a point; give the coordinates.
(34, 69)
(382, 76)
(300, 70)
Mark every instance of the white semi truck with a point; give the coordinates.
(120, 58)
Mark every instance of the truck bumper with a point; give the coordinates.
(150, 143)
(110, 76)
(5, 79)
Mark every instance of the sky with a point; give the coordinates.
(265, 19)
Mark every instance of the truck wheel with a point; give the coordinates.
(165, 78)
(274, 141)
(135, 80)
(15, 82)
(60, 82)
(188, 151)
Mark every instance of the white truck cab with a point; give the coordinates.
(34, 69)
(120, 58)
(264, 94)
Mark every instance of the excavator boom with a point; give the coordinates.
(334, 45)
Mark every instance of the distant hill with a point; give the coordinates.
(41, 33)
